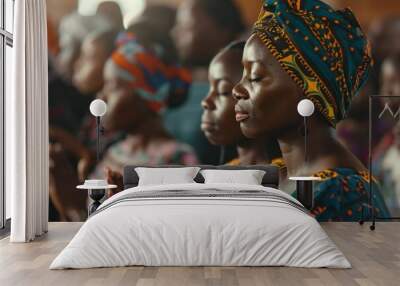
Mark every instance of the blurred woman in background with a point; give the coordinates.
(139, 86)
(111, 11)
(73, 30)
(203, 28)
(143, 80)
(151, 28)
(95, 51)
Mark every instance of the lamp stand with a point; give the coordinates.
(305, 193)
(222, 155)
(305, 140)
(96, 196)
(97, 139)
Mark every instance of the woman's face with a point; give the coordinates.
(88, 70)
(197, 37)
(126, 111)
(266, 96)
(218, 120)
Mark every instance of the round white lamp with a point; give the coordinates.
(305, 108)
(98, 108)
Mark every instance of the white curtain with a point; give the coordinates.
(27, 124)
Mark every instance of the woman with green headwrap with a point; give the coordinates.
(305, 49)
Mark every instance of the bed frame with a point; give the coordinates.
(270, 179)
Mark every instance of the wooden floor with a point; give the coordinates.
(375, 257)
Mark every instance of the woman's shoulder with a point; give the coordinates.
(344, 176)
(277, 162)
(233, 162)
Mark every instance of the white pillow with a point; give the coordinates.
(166, 176)
(245, 177)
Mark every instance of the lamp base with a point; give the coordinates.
(96, 196)
(305, 193)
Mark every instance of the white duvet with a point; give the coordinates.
(200, 231)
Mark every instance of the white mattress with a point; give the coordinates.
(200, 231)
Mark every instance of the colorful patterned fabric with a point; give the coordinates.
(324, 51)
(131, 152)
(149, 76)
(341, 193)
(234, 162)
(278, 162)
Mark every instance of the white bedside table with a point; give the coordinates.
(304, 190)
(96, 190)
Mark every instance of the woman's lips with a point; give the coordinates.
(241, 114)
(208, 126)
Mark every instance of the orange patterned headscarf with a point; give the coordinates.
(147, 74)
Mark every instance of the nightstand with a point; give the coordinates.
(96, 190)
(304, 190)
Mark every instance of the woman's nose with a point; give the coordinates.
(239, 92)
(208, 103)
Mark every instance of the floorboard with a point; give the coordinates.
(375, 257)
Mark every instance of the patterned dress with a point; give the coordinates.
(278, 162)
(341, 194)
(129, 152)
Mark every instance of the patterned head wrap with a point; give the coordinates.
(159, 83)
(324, 51)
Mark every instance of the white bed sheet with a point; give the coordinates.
(200, 232)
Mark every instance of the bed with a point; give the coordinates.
(199, 224)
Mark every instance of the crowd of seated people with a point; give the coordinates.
(179, 92)
(153, 102)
